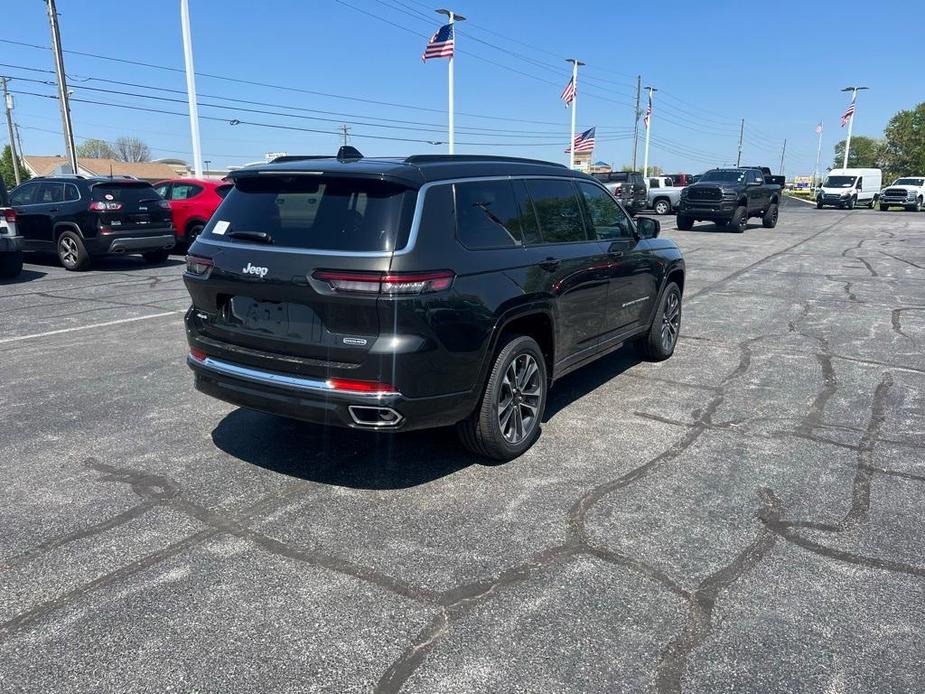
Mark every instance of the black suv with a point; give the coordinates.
(79, 218)
(398, 294)
(629, 187)
(729, 197)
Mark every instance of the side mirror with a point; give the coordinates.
(648, 228)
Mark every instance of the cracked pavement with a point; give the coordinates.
(747, 516)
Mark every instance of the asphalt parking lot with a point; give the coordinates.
(747, 516)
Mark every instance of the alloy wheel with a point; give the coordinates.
(68, 250)
(519, 399)
(671, 321)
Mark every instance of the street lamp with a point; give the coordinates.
(207, 162)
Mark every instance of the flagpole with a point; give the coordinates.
(645, 158)
(818, 153)
(451, 81)
(571, 146)
(854, 96)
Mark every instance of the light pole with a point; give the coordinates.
(819, 129)
(453, 17)
(648, 121)
(854, 95)
(191, 87)
(571, 143)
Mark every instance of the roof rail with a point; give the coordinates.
(298, 157)
(437, 158)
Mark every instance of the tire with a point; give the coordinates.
(851, 203)
(872, 204)
(684, 222)
(917, 207)
(10, 264)
(769, 220)
(884, 208)
(156, 257)
(192, 233)
(739, 221)
(659, 342)
(661, 206)
(71, 252)
(486, 432)
(819, 204)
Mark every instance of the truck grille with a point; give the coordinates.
(711, 194)
(897, 193)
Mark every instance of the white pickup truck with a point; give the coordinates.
(907, 192)
(10, 241)
(662, 195)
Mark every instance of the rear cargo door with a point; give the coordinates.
(297, 266)
(127, 205)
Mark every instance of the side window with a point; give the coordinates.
(71, 193)
(24, 195)
(487, 215)
(860, 185)
(163, 189)
(608, 219)
(557, 210)
(51, 192)
(654, 183)
(184, 191)
(529, 227)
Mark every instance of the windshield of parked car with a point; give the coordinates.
(723, 177)
(316, 212)
(839, 182)
(917, 182)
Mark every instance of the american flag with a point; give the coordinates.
(568, 94)
(846, 117)
(584, 142)
(819, 128)
(440, 45)
(648, 115)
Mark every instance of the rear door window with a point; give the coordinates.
(318, 213)
(51, 192)
(557, 210)
(487, 215)
(184, 191)
(608, 220)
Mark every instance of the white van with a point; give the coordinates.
(850, 187)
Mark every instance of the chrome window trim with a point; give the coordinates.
(415, 220)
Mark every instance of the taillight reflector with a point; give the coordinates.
(351, 386)
(198, 354)
(386, 283)
(196, 265)
(104, 206)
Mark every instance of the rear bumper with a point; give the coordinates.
(132, 243)
(10, 244)
(312, 400)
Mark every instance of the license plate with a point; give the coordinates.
(277, 319)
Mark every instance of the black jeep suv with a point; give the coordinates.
(79, 218)
(729, 197)
(397, 294)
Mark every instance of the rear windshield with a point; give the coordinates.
(126, 193)
(314, 212)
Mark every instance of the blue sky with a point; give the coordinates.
(780, 69)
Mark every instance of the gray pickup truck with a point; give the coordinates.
(663, 195)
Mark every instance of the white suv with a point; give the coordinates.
(10, 241)
(908, 192)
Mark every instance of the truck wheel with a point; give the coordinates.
(658, 344)
(739, 221)
(872, 203)
(917, 207)
(507, 421)
(71, 252)
(10, 264)
(851, 201)
(661, 206)
(819, 204)
(685, 223)
(769, 220)
(884, 208)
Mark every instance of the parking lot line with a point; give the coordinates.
(88, 327)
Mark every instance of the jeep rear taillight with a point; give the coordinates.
(388, 283)
(195, 265)
(105, 206)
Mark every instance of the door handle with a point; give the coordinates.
(615, 254)
(551, 264)
(53, 209)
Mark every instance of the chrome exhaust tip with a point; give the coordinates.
(374, 417)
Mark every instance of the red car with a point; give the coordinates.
(192, 202)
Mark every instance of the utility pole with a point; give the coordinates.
(71, 150)
(819, 129)
(191, 87)
(850, 113)
(636, 119)
(8, 100)
(571, 143)
(645, 157)
(344, 130)
(782, 153)
(453, 17)
(741, 136)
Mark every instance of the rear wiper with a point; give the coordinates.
(261, 236)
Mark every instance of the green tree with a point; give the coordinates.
(865, 153)
(903, 152)
(653, 169)
(96, 149)
(6, 168)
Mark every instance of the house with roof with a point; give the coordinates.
(145, 170)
